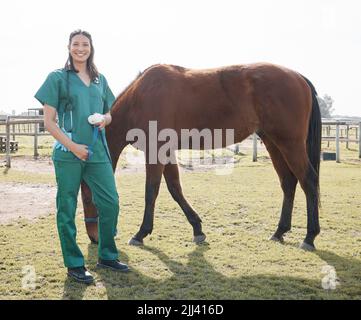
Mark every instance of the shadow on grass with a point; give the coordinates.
(74, 290)
(199, 280)
(348, 272)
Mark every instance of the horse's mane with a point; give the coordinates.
(129, 85)
(140, 74)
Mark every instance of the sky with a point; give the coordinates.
(321, 39)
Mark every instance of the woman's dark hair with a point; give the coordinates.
(92, 69)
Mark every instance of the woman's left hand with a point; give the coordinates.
(101, 125)
(106, 120)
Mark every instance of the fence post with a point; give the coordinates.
(328, 134)
(8, 161)
(347, 135)
(254, 147)
(359, 140)
(14, 132)
(14, 113)
(36, 154)
(337, 142)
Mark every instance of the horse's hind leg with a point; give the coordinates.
(153, 178)
(297, 159)
(288, 183)
(171, 175)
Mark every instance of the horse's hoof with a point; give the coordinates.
(199, 239)
(277, 239)
(135, 242)
(307, 247)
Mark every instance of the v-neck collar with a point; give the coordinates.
(96, 81)
(81, 80)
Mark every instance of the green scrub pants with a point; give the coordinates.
(100, 179)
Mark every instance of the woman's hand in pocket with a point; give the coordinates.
(80, 151)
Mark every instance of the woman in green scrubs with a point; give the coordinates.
(72, 94)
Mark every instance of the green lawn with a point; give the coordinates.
(239, 212)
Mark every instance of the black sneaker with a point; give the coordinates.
(115, 265)
(80, 274)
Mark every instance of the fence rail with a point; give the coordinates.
(342, 134)
(11, 122)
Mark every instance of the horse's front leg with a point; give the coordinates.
(171, 175)
(153, 178)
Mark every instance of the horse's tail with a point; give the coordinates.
(314, 140)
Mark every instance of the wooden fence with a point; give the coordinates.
(10, 124)
(341, 131)
(341, 134)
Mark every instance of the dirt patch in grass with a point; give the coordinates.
(27, 201)
(31, 200)
(29, 164)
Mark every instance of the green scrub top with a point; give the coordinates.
(86, 100)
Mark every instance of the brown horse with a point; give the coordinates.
(277, 103)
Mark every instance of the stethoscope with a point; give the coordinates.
(71, 119)
(68, 105)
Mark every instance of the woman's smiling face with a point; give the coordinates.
(80, 48)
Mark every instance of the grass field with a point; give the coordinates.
(239, 212)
